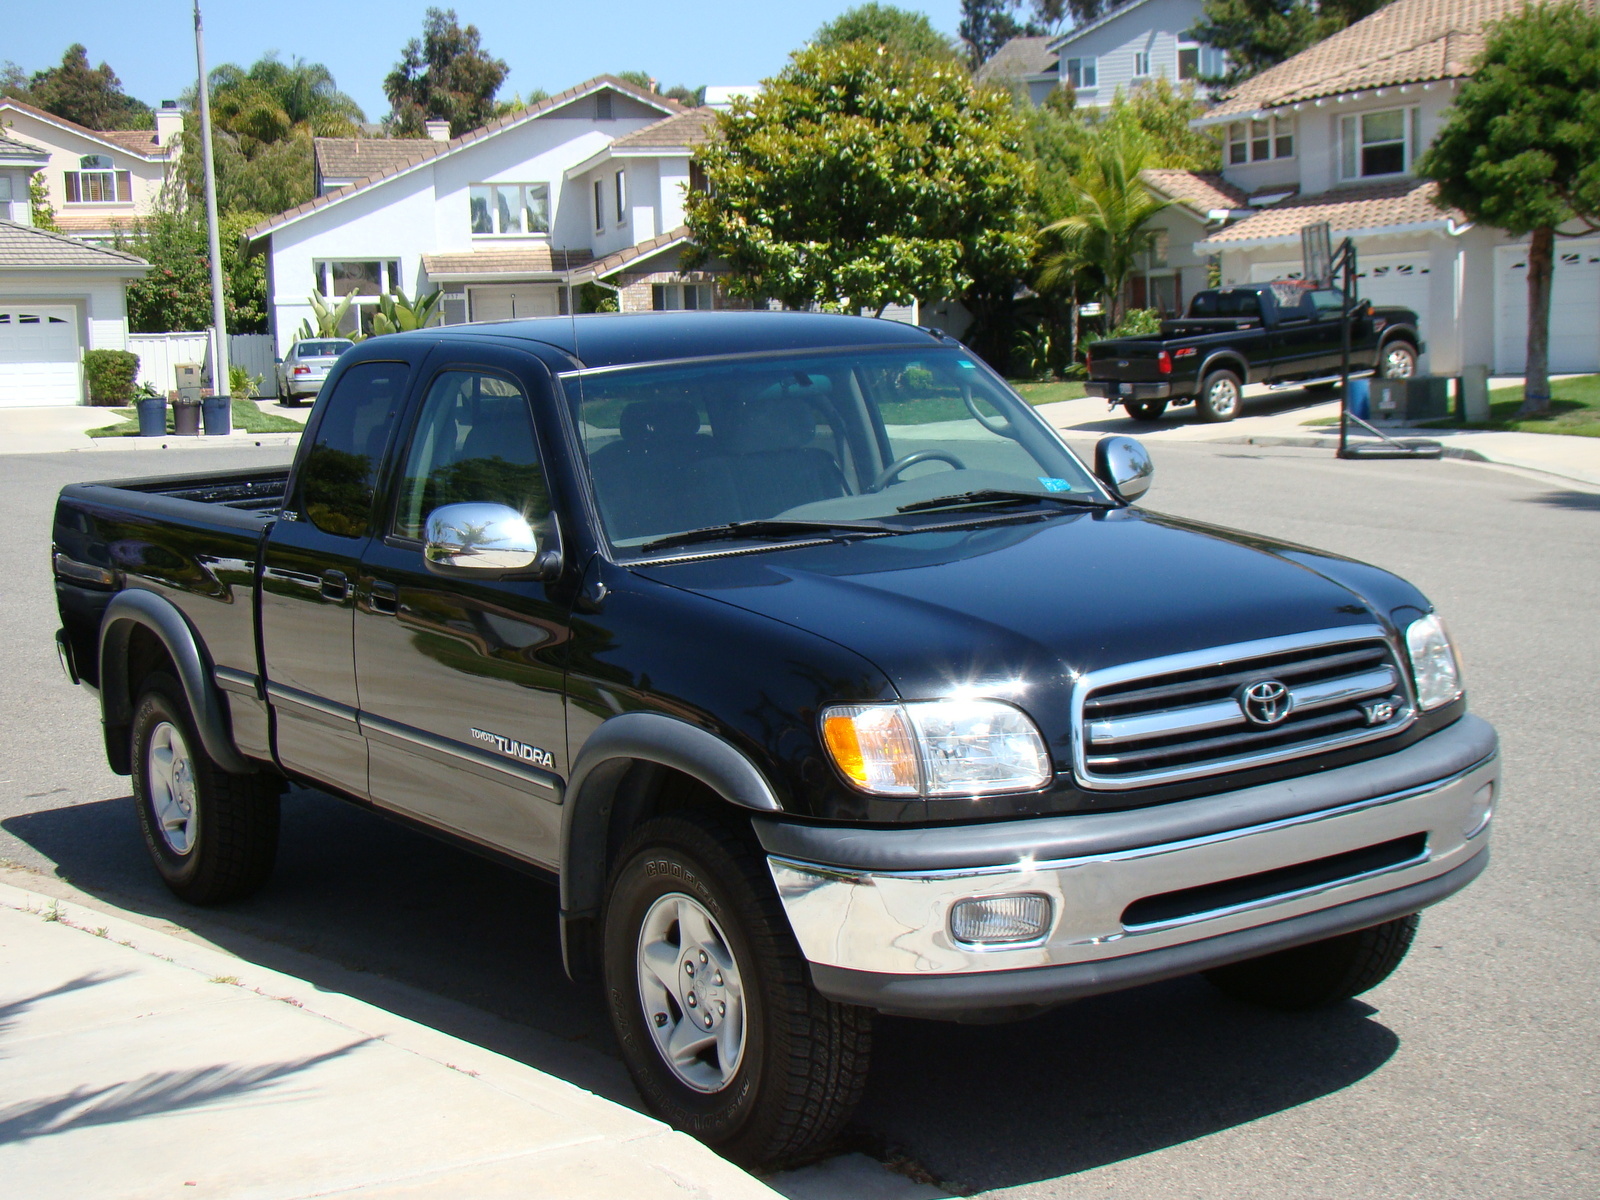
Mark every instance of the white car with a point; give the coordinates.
(307, 365)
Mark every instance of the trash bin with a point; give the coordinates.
(218, 414)
(1408, 401)
(186, 412)
(1360, 398)
(152, 416)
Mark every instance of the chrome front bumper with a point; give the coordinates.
(897, 923)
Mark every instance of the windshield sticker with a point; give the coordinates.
(967, 364)
(1055, 485)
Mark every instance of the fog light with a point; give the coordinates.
(996, 920)
(1480, 812)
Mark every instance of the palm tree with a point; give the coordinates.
(1105, 232)
(275, 100)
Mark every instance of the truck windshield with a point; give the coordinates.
(844, 436)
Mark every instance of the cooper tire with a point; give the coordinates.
(1322, 973)
(1221, 397)
(802, 1061)
(1399, 360)
(213, 836)
(1146, 410)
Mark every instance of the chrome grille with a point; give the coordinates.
(1184, 716)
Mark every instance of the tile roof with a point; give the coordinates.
(687, 129)
(136, 141)
(1408, 41)
(78, 223)
(540, 260)
(24, 247)
(621, 258)
(654, 99)
(1018, 57)
(1199, 190)
(11, 148)
(1352, 210)
(363, 158)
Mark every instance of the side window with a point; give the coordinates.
(473, 444)
(339, 472)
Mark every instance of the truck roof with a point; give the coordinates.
(610, 339)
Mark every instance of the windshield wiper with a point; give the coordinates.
(762, 529)
(992, 496)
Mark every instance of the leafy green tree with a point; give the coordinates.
(900, 32)
(446, 75)
(1520, 151)
(860, 179)
(1161, 115)
(176, 294)
(90, 96)
(986, 25)
(43, 213)
(1257, 34)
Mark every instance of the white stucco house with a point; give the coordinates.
(58, 296)
(1128, 46)
(98, 181)
(1333, 134)
(509, 219)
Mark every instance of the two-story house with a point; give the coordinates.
(509, 219)
(1333, 134)
(1129, 46)
(98, 181)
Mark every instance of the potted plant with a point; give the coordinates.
(152, 408)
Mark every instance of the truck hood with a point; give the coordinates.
(1033, 604)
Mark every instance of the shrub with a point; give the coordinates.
(111, 374)
(241, 384)
(1140, 322)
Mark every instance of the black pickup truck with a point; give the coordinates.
(810, 664)
(1280, 333)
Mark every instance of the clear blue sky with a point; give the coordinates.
(150, 44)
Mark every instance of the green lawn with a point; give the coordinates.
(1048, 392)
(1574, 403)
(246, 416)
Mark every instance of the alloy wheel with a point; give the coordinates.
(693, 997)
(171, 774)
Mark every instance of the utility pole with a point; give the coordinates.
(219, 316)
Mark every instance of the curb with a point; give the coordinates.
(676, 1156)
(190, 442)
(1457, 452)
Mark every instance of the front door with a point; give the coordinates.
(313, 557)
(461, 680)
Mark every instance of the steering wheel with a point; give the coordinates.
(996, 424)
(893, 470)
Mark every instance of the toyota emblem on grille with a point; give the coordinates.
(1265, 703)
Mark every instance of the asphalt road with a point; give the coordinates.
(1472, 1073)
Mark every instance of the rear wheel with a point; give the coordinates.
(212, 835)
(722, 1033)
(1146, 410)
(1322, 973)
(1221, 397)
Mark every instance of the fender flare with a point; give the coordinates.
(1232, 359)
(587, 803)
(1402, 333)
(138, 607)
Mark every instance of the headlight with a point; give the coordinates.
(1433, 663)
(936, 748)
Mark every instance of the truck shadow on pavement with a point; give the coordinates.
(434, 934)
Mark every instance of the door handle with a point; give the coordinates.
(383, 598)
(335, 586)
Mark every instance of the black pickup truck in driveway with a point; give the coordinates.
(1282, 333)
(814, 669)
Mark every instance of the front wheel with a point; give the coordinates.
(1221, 397)
(722, 1033)
(1399, 360)
(1321, 973)
(212, 835)
(1146, 410)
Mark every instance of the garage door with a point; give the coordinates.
(1400, 279)
(513, 302)
(1574, 308)
(38, 356)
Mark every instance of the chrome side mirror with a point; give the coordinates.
(1123, 465)
(485, 540)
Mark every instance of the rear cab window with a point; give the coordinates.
(335, 480)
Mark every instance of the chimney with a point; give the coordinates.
(655, 85)
(169, 123)
(439, 131)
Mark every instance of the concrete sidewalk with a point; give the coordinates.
(52, 429)
(134, 1063)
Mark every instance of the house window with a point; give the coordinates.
(501, 208)
(599, 205)
(5, 197)
(1198, 62)
(1378, 143)
(1083, 72)
(1258, 141)
(697, 178)
(622, 198)
(365, 279)
(672, 297)
(98, 182)
(1141, 63)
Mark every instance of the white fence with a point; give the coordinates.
(159, 353)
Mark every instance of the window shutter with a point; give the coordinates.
(125, 187)
(72, 187)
